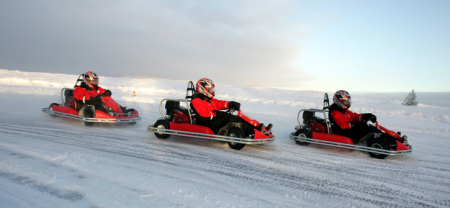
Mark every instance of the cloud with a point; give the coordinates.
(235, 42)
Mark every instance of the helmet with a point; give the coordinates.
(90, 79)
(343, 99)
(206, 86)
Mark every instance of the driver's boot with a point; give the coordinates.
(110, 111)
(261, 127)
(269, 127)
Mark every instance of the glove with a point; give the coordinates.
(234, 105)
(369, 117)
(107, 93)
(96, 101)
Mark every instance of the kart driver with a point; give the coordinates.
(346, 123)
(89, 93)
(207, 109)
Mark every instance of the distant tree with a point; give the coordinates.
(410, 100)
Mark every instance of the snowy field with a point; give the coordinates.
(52, 162)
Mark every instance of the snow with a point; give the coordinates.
(50, 161)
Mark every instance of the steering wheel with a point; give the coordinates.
(231, 110)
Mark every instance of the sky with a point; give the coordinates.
(324, 45)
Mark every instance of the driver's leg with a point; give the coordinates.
(223, 119)
(100, 107)
(358, 132)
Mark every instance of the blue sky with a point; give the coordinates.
(378, 45)
(357, 45)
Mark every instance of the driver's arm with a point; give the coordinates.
(340, 120)
(355, 117)
(80, 94)
(220, 104)
(202, 109)
(101, 90)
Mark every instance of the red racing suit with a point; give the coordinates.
(206, 106)
(84, 92)
(340, 119)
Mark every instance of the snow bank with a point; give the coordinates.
(267, 100)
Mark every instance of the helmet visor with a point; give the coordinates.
(93, 82)
(211, 90)
(346, 102)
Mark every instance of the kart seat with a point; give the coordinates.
(194, 114)
(320, 120)
(183, 110)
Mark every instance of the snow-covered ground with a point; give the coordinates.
(50, 161)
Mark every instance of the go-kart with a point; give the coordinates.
(180, 121)
(317, 130)
(71, 108)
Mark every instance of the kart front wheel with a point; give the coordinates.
(236, 132)
(302, 133)
(378, 143)
(88, 114)
(51, 107)
(162, 124)
(128, 111)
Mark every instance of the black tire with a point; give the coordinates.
(378, 143)
(50, 107)
(236, 132)
(88, 114)
(131, 110)
(303, 133)
(162, 124)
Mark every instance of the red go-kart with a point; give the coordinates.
(70, 108)
(314, 129)
(180, 121)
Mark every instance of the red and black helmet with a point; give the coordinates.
(90, 79)
(343, 99)
(206, 87)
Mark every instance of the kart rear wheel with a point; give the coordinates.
(302, 133)
(51, 107)
(236, 132)
(88, 114)
(378, 143)
(162, 124)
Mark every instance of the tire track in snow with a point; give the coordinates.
(290, 173)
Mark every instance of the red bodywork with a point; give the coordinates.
(180, 117)
(108, 101)
(392, 133)
(331, 138)
(318, 131)
(249, 120)
(181, 122)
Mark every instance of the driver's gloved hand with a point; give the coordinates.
(107, 93)
(234, 105)
(369, 117)
(96, 101)
(98, 97)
